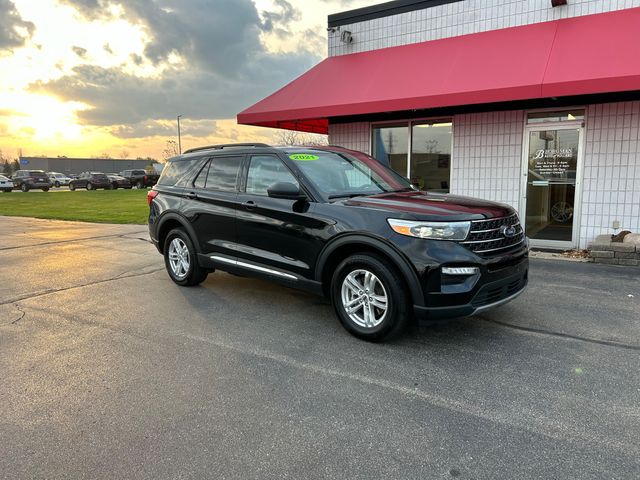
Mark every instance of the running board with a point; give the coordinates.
(250, 266)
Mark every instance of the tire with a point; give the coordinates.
(140, 184)
(24, 187)
(45, 189)
(369, 321)
(89, 186)
(57, 184)
(113, 186)
(194, 274)
(72, 186)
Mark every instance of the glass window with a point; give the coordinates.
(349, 175)
(201, 179)
(390, 147)
(171, 173)
(223, 173)
(431, 156)
(264, 171)
(558, 116)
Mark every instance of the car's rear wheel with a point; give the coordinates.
(140, 185)
(45, 189)
(57, 184)
(24, 187)
(114, 186)
(72, 187)
(89, 186)
(181, 261)
(369, 298)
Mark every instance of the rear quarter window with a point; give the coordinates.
(174, 171)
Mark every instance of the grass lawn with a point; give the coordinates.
(101, 206)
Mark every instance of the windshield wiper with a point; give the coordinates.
(350, 195)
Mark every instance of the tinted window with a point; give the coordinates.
(264, 171)
(201, 179)
(174, 171)
(223, 173)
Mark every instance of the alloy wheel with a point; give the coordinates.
(364, 298)
(179, 259)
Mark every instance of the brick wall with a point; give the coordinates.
(460, 18)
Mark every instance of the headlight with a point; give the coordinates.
(431, 230)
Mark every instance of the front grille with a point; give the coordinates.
(486, 236)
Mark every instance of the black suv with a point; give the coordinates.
(25, 180)
(336, 222)
(90, 181)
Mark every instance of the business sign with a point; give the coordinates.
(24, 161)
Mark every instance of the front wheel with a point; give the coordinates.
(24, 187)
(369, 297)
(181, 261)
(45, 189)
(140, 185)
(57, 184)
(89, 186)
(72, 187)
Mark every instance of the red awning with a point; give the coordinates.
(574, 56)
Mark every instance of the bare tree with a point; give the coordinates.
(124, 154)
(170, 150)
(291, 137)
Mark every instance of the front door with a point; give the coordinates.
(551, 185)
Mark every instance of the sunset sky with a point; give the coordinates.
(88, 77)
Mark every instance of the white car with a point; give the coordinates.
(6, 185)
(58, 179)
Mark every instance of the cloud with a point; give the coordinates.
(14, 31)
(225, 66)
(164, 128)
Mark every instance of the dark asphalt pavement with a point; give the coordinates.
(109, 370)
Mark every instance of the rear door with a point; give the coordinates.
(275, 232)
(210, 203)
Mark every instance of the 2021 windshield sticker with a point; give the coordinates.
(303, 157)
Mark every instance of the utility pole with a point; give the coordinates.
(179, 140)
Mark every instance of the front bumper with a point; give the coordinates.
(499, 279)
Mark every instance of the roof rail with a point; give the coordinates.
(226, 145)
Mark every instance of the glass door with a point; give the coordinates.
(550, 185)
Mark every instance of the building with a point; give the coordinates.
(76, 166)
(521, 102)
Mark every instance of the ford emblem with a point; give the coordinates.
(509, 231)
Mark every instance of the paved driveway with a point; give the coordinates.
(109, 370)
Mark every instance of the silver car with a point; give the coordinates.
(58, 179)
(6, 185)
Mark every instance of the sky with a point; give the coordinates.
(96, 77)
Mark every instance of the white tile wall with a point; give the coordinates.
(460, 18)
(487, 155)
(611, 189)
(350, 135)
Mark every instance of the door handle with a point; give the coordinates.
(192, 196)
(249, 204)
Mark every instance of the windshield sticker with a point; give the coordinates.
(303, 157)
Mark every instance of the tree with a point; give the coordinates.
(6, 168)
(170, 150)
(124, 154)
(290, 137)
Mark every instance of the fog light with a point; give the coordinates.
(460, 270)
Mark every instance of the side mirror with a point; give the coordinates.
(287, 190)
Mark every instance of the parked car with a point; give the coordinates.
(336, 222)
(25, 180)
(140, 178)
(6, 185)
(90, 181)
(118, 181)
(58, 179)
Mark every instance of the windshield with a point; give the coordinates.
(340, 175)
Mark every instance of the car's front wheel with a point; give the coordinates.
(24, 187)
(181, 261)
(89, 186)
(72, 186)
(140, 184)
(369, 298)
(45, 189)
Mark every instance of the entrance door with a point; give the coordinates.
(551, 184)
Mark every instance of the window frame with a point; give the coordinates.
(207, 163)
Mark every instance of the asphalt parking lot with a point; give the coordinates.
(109, 370)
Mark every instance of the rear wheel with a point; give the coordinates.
(57, 184)
(45, 189)
(140, 184)
(24, 187)
(369, 298)
(114, 186)
(72, 187)
(89, 186)
(181, 261)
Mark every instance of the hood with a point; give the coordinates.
(432, 206)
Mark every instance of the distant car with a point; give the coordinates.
(6, 185)
(140, 178)
(58, 179)
(119, 182)
(90, 181)
(25, 180)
